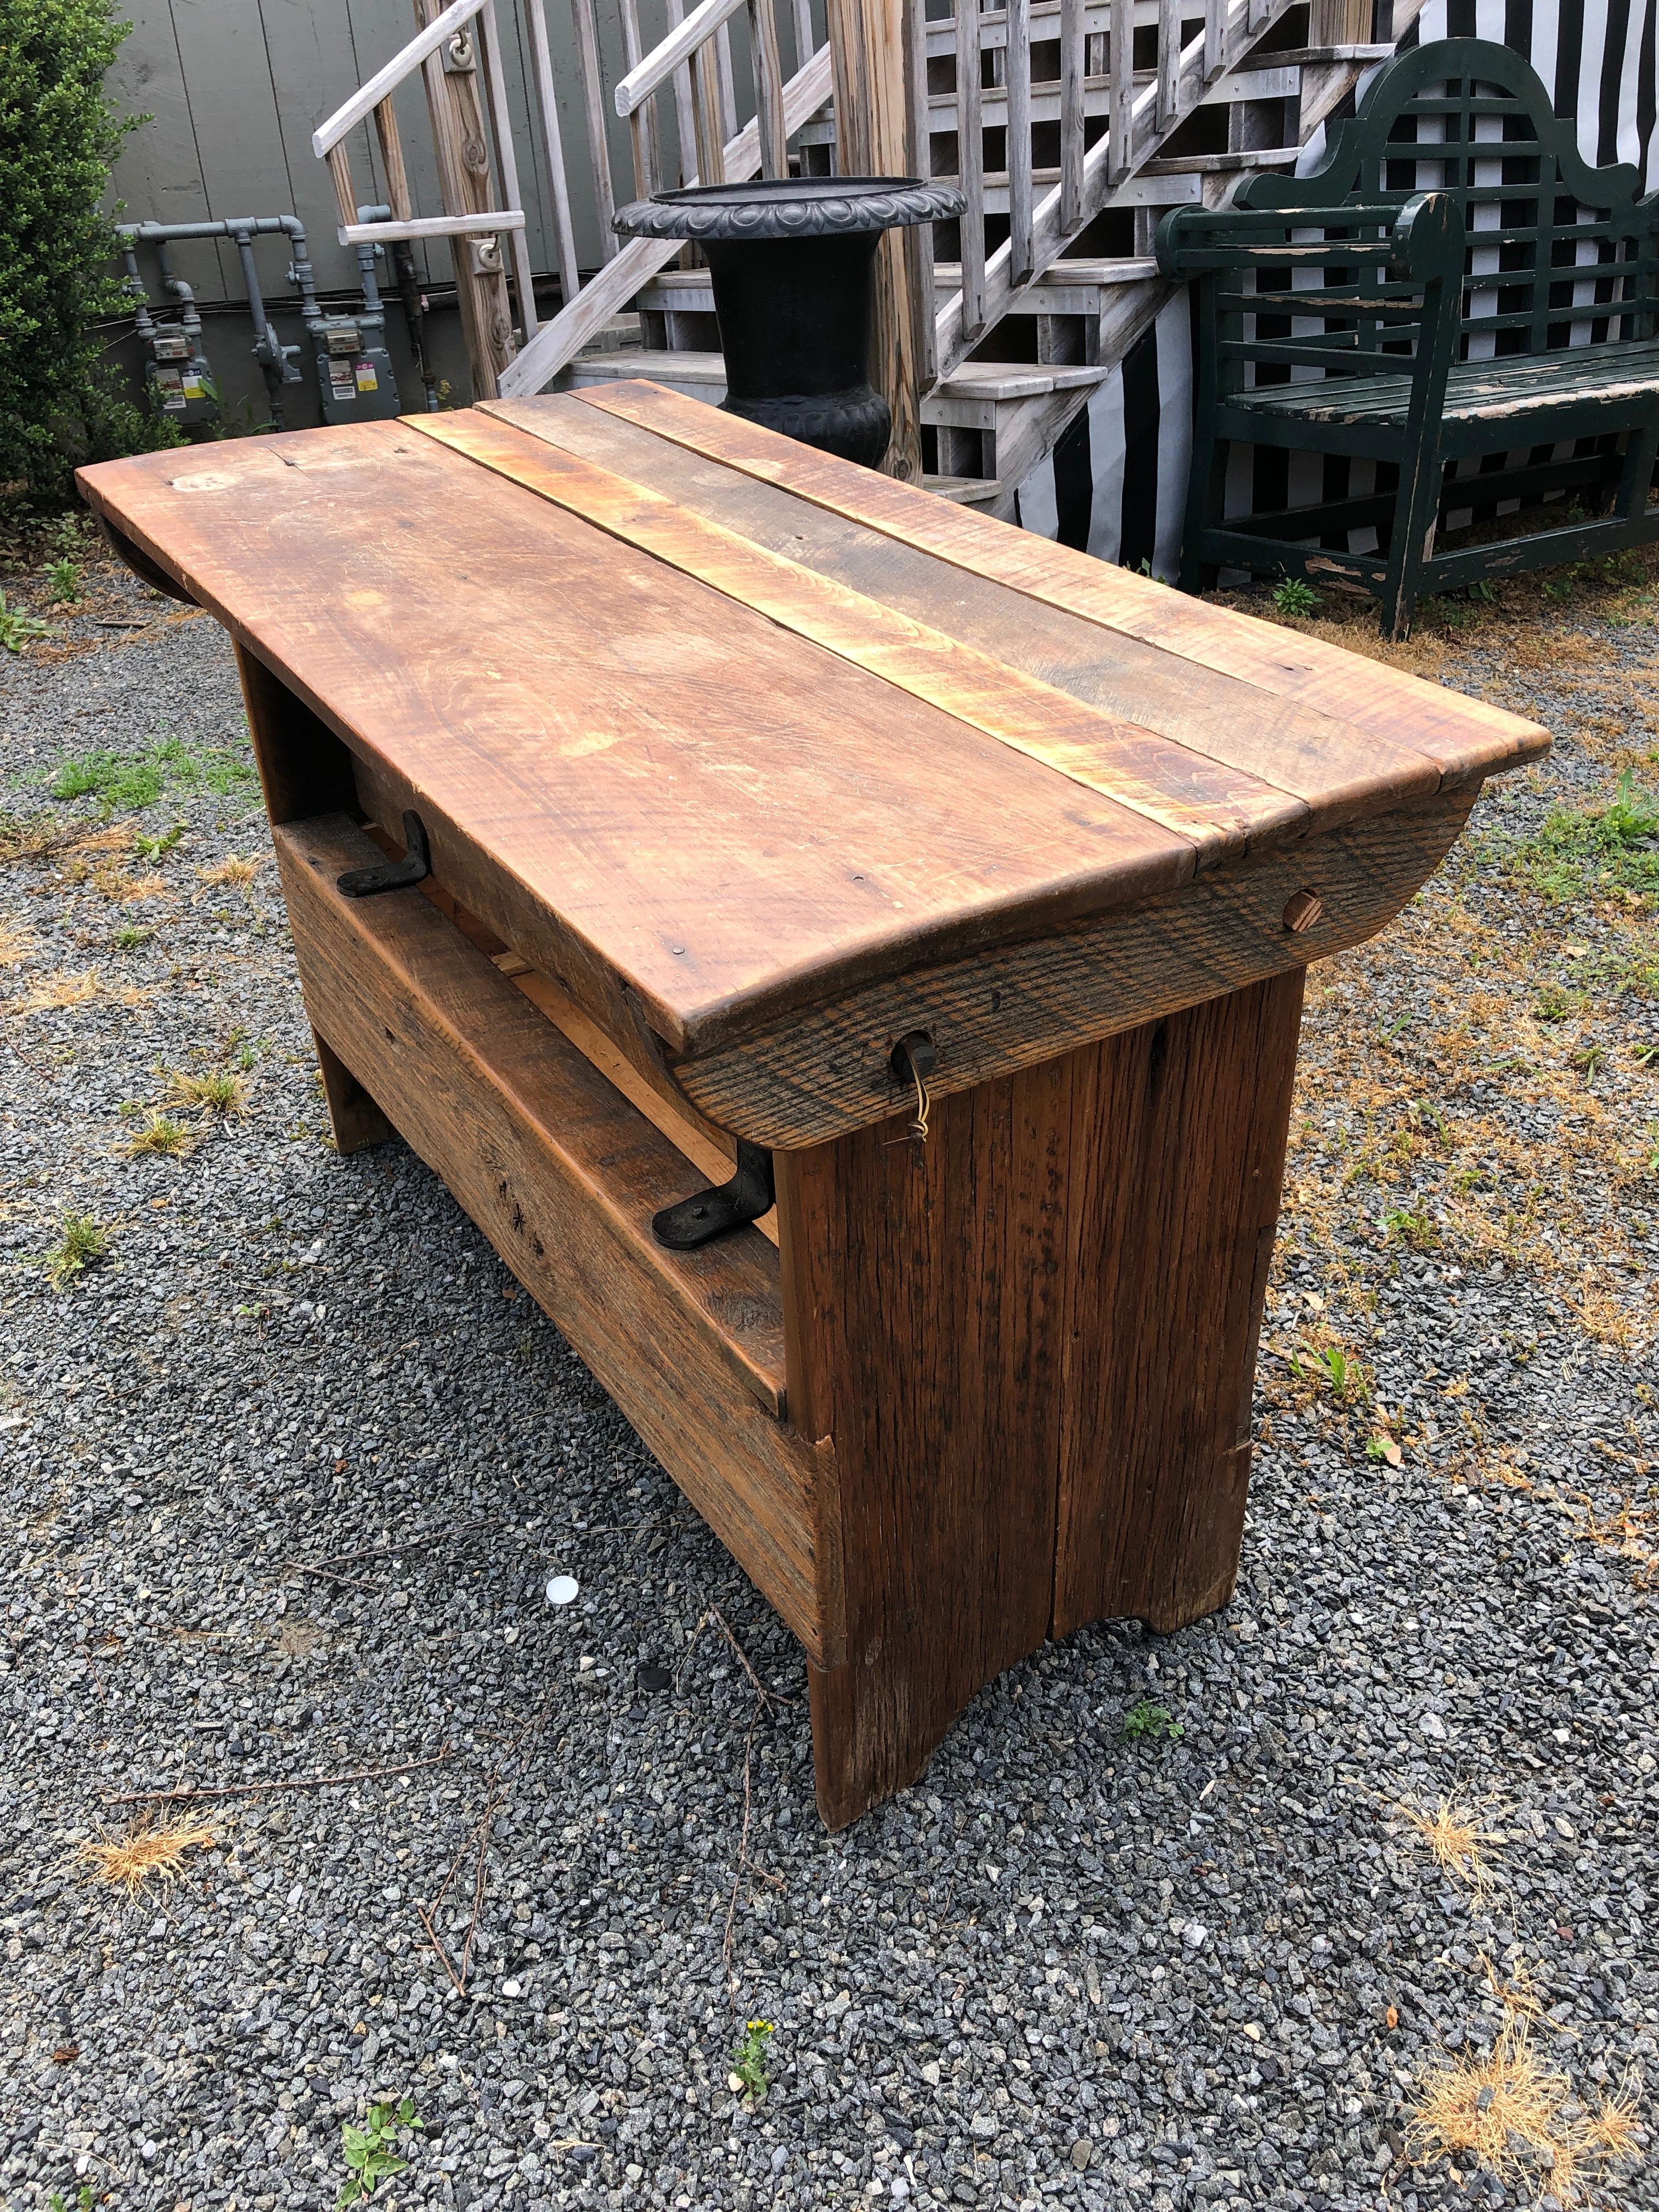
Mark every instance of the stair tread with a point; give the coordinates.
(1018, 380)
(665, 368)
(1123, 269)
(1217, 165)
(967, 491)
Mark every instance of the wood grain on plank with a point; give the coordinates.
(563, 1175)
(828, 1070)
(1167, 1268)
(1226, 810)
(1339, 771)
(1466, 739)
(924, 1292)
(1032, 1340)
(678, 800)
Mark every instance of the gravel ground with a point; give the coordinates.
(1074, 1966)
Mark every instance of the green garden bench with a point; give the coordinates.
(1465, 287)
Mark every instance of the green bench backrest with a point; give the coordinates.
(1559, 252)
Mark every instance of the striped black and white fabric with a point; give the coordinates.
(1115, 485)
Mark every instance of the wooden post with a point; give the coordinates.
(868, 48)
(461, 148)
(1341, 22)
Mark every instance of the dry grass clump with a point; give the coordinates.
(150, 1852)
(17, 940)
(220, 1091)
(1457, 1839)
(113, 883)
(53, 994)
(234, 868)
(160, 1135)
(1522, 2119)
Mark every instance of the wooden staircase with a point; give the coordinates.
(1016, 361)
(1066, 163)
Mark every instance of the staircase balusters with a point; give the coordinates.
(1215, 38)
(587, 64)
(1121, 63)
(1071, 114)
(564, 229)
(641, 123)
(690, 162)
(1168, 62)
(506, 165)
(970, 167)
(1018, 159)
(769, 87)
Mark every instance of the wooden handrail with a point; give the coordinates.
(363, 102)
(656, 67)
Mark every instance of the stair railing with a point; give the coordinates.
(693, 67)
(1098, 77)
(690, 72)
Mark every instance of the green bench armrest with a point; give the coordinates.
(1414, 243)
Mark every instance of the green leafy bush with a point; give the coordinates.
(59, 403)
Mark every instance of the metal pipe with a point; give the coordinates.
(180, 291)
(142, 321)
(408, 291)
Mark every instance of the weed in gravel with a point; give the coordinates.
(149, 1851)
(1585, 853)
(135, 781)
(234, 868)
(129, 936)
(1413, 1229)
(17, 940)
(84, 2200)
(151, 849)
(1146, 1723)
(218, 1091)
(1457, 1839)
(64, 580)
(748, 2076)
(16, 628)
(80, 1243)
(369, 2150)
(161, 1134)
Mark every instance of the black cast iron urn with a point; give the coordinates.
(791, 259)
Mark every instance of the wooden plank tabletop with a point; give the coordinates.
(754, 725)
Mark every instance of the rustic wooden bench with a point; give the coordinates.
(770, 804)
(1511, 315)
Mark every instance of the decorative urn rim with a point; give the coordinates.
(790, 207)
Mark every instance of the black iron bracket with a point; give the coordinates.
(728, 1206)
(415, 866)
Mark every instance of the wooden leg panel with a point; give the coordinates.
(1031, 1341)
(922, 1303)
(563, 1175)
(356, 1121)
(1179, 1136)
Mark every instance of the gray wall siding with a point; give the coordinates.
(236, 87)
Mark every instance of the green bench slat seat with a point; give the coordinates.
(1453, 227)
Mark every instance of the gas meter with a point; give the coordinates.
(180, 381)
(354, 369)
